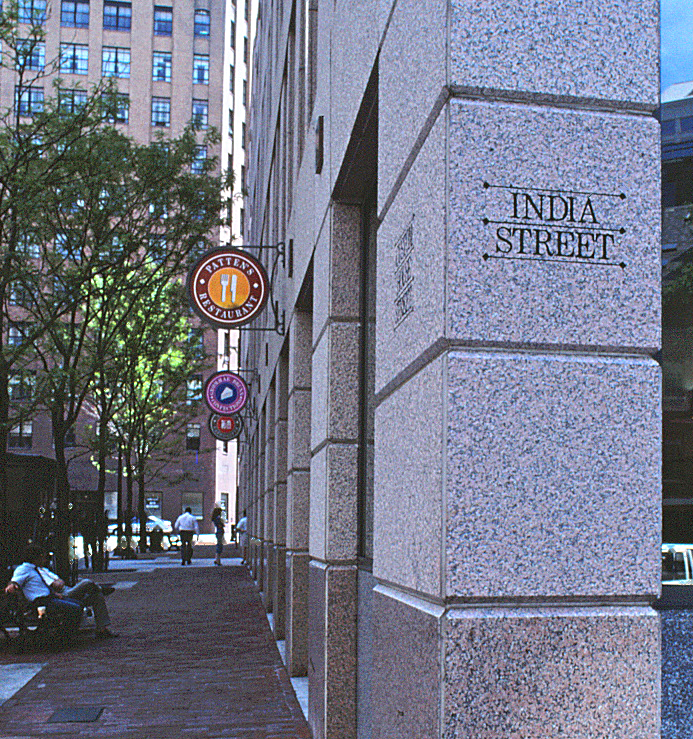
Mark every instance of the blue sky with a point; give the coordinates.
(677, 41)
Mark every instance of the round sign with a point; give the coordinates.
(226, 393)
(227, 287)
(225, 428)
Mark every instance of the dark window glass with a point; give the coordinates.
(72, 101)
(194, 389)
(29, 101)
(117, 16)
(192, 437)
(21, 385)
(32, 11)
(161, 66)
(668, 128)
(74, 58)
(161, 111)
(200, 113)
(74, 14)
(198, 162)
(31, 54)
(202, 23)
(115, 62)
(21, 435)
(686, 124)
(201, 69)
(163, 21)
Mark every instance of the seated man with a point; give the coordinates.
(41, 587)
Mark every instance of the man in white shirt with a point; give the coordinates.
(186, 525)
(40, 586)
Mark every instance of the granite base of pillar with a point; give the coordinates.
(296, 627)
(586, 672)
(332, 602)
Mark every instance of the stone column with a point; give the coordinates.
(517, 473)
(298, 493)
(278, 578)
(267, 552)
(333, 477)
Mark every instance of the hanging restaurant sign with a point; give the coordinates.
(225, 428)
(227, 287)
(226, 393)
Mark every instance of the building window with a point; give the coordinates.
(192, 437)
(161, 111)
(117, 16)
(119, 107)
(32, 11)
(70, 439)
(21, 435)
(21, 385)
(245, 49)
(161, 66)
(74, 14)
(231, 78)
(233, 35)
(231, 124)
(194, 390)
(31, 55)
(18, 295)
(16, 333)
(243, 136)
(115, 62)
(29, 245)
(245, 93)
(202, 23)
(29, 100)
(163, 21)
(200, 113)
(200, 69)
(198, 162)
(74, 58)
(72, 101)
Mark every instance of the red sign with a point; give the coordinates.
(225, 428)
(227, 287)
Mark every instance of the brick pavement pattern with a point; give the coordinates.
(195, 658)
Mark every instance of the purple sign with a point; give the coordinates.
(226, 393)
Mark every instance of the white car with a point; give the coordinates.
(154, 523)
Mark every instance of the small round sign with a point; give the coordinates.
(226, 393)
(227, 287)
(225, 428)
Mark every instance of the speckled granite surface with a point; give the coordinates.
(677, 674)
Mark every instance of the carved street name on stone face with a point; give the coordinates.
(551, 225)
(404, 276)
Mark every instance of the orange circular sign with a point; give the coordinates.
(227, 287)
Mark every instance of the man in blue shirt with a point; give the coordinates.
(42, 587)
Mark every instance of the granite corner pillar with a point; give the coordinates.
(333, 477)
(518, 425)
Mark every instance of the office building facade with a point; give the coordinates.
(452, 460)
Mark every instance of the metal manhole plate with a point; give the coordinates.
(71, 714)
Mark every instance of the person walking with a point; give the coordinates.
(242, 528)
(186, 525)
(219, 523)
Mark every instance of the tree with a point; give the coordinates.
(35, 141)
(157, 354)
(121, 230)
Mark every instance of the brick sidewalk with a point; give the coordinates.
(195, 658)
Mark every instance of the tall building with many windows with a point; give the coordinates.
(172, 63)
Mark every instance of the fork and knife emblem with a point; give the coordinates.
(226, 281)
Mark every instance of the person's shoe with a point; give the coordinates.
(105, 634)
(107, 589)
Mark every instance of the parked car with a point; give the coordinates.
(154, 523)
